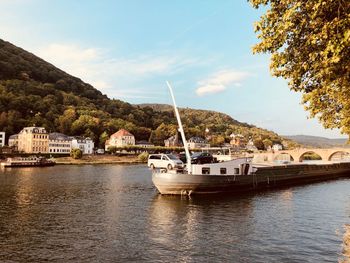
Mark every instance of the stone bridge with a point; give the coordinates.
(297, 154)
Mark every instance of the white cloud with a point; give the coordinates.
(112, 75)
(220, 81)
(75, 60)
(60, 52)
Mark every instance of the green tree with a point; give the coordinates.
(86, 125)
(309, 42)
(76, 153)
(66, 120)
(143, 157)
(112, 149)
(103, 138)
(163, 131)
(259, 144)
(217, 140)
(267, 143)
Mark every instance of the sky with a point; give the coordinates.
(129, 49)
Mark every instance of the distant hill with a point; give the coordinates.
(35, 92)
(197, 115)
(318, 142)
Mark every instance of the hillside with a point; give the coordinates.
(206, 115)
(16, 63)
(35, 92)
(318, 142)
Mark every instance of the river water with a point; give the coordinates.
(112, 213)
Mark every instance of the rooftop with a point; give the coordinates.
(33, 130)
(121, 133)
(59, 136)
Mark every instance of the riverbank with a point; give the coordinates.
(99, 159)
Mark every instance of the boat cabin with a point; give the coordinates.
(241, 166)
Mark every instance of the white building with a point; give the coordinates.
(197, 142)
(59, 143)
(173, 141)
(33, 140)
(2, 139)
(86, 145)
(251, 147)
(13, 141)
(120, 139)
(277, 147)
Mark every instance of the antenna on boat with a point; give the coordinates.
(181, 130)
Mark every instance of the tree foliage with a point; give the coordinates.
(310, 46)
(76, 153)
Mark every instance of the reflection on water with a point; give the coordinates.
(197, 226)
(110, 213)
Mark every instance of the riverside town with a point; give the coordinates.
(175, 131)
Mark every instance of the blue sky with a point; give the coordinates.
(128, 49)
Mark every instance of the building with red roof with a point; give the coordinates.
(120, 139)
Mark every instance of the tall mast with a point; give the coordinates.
(181, 130)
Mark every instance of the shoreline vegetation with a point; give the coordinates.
(99, 159)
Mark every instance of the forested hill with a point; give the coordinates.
(200, 115)
(16, 63)
(35, 92)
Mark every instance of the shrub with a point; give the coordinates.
(76, 154)
(143, 157)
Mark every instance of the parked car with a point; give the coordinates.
(202, 157)
(182, 157)
(166, 161)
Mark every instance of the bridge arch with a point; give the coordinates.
(311, 155)
(339, 155)
(283, 156)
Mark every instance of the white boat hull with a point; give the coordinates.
(268, 177)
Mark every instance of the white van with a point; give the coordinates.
(166, 161)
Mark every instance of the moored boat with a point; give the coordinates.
(240, 174)
(27, 162)
(244, 178)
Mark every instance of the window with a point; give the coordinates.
(205, 170)
(223, 171)
(236, 171)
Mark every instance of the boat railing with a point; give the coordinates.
(24, 159)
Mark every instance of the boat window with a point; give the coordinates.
(223, 171)
(246, 168)
(236, 171)
(205, 170)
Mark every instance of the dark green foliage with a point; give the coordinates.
(76, 154)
